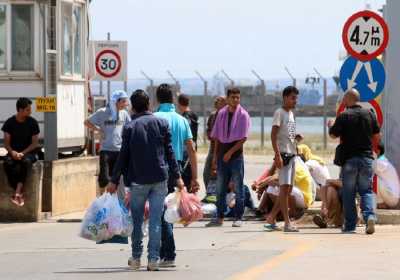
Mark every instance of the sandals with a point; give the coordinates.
(18, 199)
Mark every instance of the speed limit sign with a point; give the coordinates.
(365, 35)
(110, 60)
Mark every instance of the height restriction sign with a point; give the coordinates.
(110, 60)
(365, 35)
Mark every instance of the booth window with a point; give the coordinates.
(3, 36)
(71, 39)
(77, 20)
(67, 38)
(22, 44)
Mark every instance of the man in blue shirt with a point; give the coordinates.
(145, 160)
(109, 121)
(182, 140)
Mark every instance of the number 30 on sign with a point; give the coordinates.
(365, 35)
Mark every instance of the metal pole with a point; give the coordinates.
(262, 104)
(108, 82)
(325, 108)
(153, 100)
(50, 118)
(294, 80)
(204, 106)
(229, 78)
(177, 84)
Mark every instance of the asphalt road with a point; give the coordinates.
(45, 251)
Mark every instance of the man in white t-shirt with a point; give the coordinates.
(283, 136)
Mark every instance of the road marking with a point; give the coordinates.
(259, 271)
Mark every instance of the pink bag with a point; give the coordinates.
(190, 208)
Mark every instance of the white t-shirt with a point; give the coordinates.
(319, 172)
(287, 130)
(389, 183)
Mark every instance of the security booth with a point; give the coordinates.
(43, 49)
(43, 56)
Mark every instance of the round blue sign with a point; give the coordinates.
(367, 77)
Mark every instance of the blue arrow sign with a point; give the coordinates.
(367, 77)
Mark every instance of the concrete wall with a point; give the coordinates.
(32, 210)
(73, 184)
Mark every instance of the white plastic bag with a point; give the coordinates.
(106, 217)
(171, 215)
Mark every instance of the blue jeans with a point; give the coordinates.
(357, 175)
(156, 194)
(167, 250)
(227, 172)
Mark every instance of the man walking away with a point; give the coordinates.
(109, 122)
(146, 137)
(357, 129)
(21, 140)
(283, 136)
(230, 132)
(182, 140)
(193, 119)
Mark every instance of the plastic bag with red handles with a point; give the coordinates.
(190, 208)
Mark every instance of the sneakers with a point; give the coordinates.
(166, 263)
(290, 228)
(214, 223)
(237, 223)
(319, 221)
(370, 226)
(134, 263)
(153, 266)
(271, 227)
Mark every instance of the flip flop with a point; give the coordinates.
(14, 199)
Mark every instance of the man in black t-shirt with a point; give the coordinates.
(21, 139)
(357, 129)
(193, 119)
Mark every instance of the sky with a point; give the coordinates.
(235, 35)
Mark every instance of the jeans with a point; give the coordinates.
(357, 176)
(227, 172)
(17, 170)
(156, 194)
(167, 250)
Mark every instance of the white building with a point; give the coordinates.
(43, 52)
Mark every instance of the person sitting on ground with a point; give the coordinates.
(331, 209)
(231, 201)
(388, 181)
(300, 197)
(21, 140)
(316, 165)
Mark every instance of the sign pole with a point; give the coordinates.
(108, 82)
